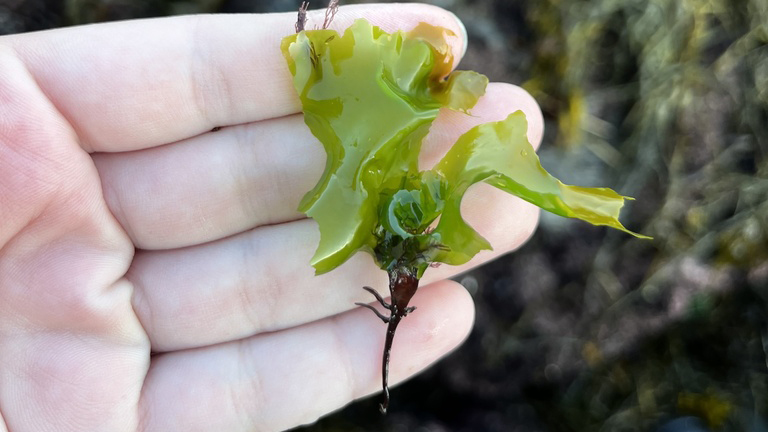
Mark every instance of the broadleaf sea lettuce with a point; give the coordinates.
(370, 98)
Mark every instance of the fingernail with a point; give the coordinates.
(464, 36)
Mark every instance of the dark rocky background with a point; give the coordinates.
(585, 329)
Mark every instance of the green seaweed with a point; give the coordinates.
(370, 98)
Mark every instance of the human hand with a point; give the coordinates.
(154, 274)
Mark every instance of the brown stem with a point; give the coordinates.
(402, 286)
(391, 328)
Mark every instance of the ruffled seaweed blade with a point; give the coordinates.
(370, 98)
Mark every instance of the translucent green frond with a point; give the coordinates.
(370, 98)
(499, 154)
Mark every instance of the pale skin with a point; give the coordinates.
(154, 274)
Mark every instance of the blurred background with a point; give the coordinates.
(586, 329)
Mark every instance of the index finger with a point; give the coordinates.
(138, 84)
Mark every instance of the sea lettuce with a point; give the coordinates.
(370, 98)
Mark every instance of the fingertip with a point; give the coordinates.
(507, 221)
(394, 17)
(443, 320)
(532, 111)
(451, 316)
(502, 99)
(464, 37)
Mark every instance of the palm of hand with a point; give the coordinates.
(114, 246)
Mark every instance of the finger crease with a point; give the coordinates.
(344, 357)
(247, 405)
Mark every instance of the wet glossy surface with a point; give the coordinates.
(370, 98)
